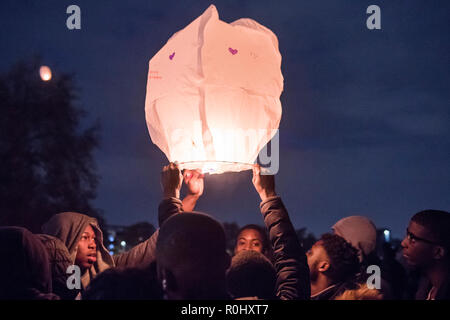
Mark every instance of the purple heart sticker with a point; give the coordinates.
(233, 51)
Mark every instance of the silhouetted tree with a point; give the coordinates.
(46, 163)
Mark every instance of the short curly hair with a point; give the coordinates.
(251, 274)
(344, 263)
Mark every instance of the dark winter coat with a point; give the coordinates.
(288, 254)
(25, 269)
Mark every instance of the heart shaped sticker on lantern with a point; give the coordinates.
(233, 51)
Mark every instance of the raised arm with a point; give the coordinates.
(289, 257)
(141, 255)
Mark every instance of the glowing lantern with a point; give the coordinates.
(45, 73)
(213, 93)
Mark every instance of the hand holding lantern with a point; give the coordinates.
(171, 180)
(264, 184)
(194, 183)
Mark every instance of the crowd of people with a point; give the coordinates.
(186, 258)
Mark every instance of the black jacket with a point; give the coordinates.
(24, 268)
(288, 254)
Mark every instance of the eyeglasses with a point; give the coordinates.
(413, 238)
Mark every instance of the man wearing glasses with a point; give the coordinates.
(427, 248)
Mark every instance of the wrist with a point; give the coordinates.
(172, 194)
(264, 195)
(193, 196)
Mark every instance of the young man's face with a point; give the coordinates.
(418, 249)
(317, 258)
(87, 249)
(249, 239)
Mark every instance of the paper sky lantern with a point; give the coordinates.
(45, 73)
(213, 93)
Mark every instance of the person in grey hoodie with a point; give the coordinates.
(79, 241)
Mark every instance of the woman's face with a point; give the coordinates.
(249, 239)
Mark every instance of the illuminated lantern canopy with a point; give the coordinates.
(213, 93)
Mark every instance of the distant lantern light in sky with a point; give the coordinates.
(213, 93)
(45, 73)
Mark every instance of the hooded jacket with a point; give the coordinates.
(68, 227)
(59, 261)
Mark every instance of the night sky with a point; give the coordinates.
(366, 113)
